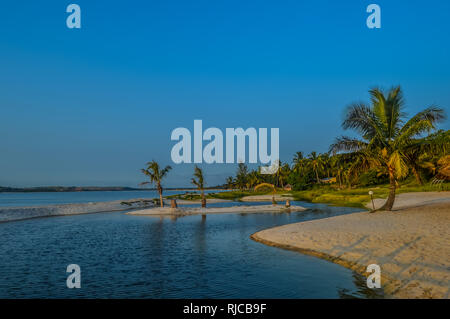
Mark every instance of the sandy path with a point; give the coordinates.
(411, 244)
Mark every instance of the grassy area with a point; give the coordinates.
(358, 197)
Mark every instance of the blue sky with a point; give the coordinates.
(91, 106)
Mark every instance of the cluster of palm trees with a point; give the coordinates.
(391, 147)
(246, 179)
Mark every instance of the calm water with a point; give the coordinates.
(49, 198)
(125, 256)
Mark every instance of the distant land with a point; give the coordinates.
(87, 189)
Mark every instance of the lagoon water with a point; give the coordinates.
(126, 256)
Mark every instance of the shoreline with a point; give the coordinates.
(138, 206)
(411, 243)
(10, 214)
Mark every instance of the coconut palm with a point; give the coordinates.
(282, 174)
(385, 135)
(297, 161)
(316, 164)
(242, 176)
(326, 163)
(156, 175)
(198, 181)
(253, 179)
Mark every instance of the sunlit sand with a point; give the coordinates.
(411, 243)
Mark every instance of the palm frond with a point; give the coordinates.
(345, 143)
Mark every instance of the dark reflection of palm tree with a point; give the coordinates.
(199, 256)
(363, 291)
(201, 236)
(156, 259)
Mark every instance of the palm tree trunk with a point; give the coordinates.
(391, 198)
(160, 195)
(417, 175)
(203, 199)
(340, 179)
(317, 177)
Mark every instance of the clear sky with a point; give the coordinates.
(91, 106)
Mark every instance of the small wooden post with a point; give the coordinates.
(173, 203)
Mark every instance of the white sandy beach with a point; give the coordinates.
(411, 244)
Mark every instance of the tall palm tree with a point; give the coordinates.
(242, 176)
(326, 163)
(156, 175)
(316, 164)
(198, 181)
(385, 135)
(297, 161)
(253, 179)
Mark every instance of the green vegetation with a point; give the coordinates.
(393, 155)
(358, 197)
(388, 143)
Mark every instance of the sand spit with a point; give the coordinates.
(266, 198)
(411, 244)
(184, 211)
(20, 213)
(198, 201)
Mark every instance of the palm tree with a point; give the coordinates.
(156, 175)
(326, 163)
(242, 176)
(384, 136)
(299, 162)
(316, 164)
(253, 179)
(199, 182)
